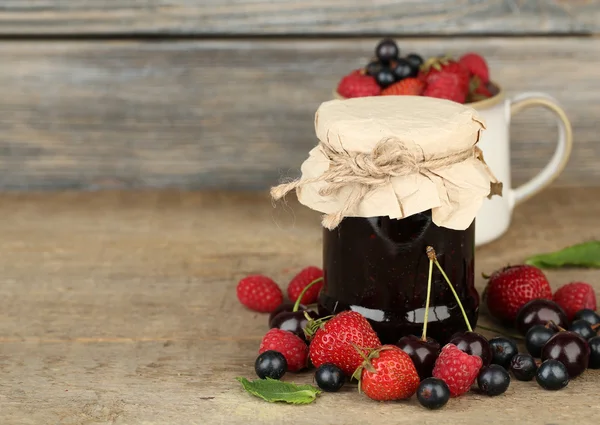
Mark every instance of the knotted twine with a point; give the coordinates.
(365, 172)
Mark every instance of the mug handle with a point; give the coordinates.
(563, 148)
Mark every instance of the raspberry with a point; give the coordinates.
(259, 293)
(301, 280)
(291, 346)
(356, 84)
(575, 296)
(457, 369)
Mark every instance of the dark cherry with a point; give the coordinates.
(385, 77)
(286, 306)
(570, 349)
(474, 344)
(293, 321)
(415, 61)
(594, 344)
(588, 315)
(552, 375)
(387, 50)
(270, 364)
(540, 312)
(433, 393)
(503, 350)
(402, 70)
(582, 328)
(493, 380)
(422, 353)
(536, 337)
(523, 367)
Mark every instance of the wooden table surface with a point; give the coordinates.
(120, 308)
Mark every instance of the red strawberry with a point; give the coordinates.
(457, 369)
(407, 87)
(388, 374)
(446, 86)
(259, 293)
(435, 67)
(510, 288)
(301, 280)
(476, 66)
(291, 346)
(333, 341)
(357, 84)
(575, 296)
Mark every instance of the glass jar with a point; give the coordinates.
(379, 267)
(392, 176)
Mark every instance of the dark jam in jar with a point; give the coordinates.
(378, 267)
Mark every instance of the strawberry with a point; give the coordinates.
(291, 346)
(407, 87)
(259, 293)
(457, 369)
(388, 374)
(356, 84)
(436, 67)
(446, 86)
(336, 340)
(510, 288)
(575, 296)
(476, 66)
(301, 280)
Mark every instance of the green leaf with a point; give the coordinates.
(586, 254)
(273, 390)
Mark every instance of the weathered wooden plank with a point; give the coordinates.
(220, 17)
(120, 308)
(239, 114)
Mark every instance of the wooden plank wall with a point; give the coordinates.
(221, 93)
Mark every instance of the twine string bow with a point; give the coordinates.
(364, 172)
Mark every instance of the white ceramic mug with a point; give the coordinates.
(495, 215)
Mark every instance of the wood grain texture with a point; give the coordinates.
(120, 308)
(239, 114)
(285, 17)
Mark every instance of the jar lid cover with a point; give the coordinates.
(395, 156)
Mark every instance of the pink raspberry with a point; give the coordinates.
(457, 369)
(290, 345)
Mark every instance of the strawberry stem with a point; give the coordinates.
(426, 319)
(297, 304)
(433, 257)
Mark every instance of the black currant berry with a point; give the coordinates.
(493, 380)
(537, 336)
(552, 375)
(387, 50)
(403, 70)
(329, 377)
(503, 350)
(270, 364)
(583, 328)
(523, 367)
(433, 393)
(385, 78)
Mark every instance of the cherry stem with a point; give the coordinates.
(426, 319)
(433, 257)
(297, 304)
